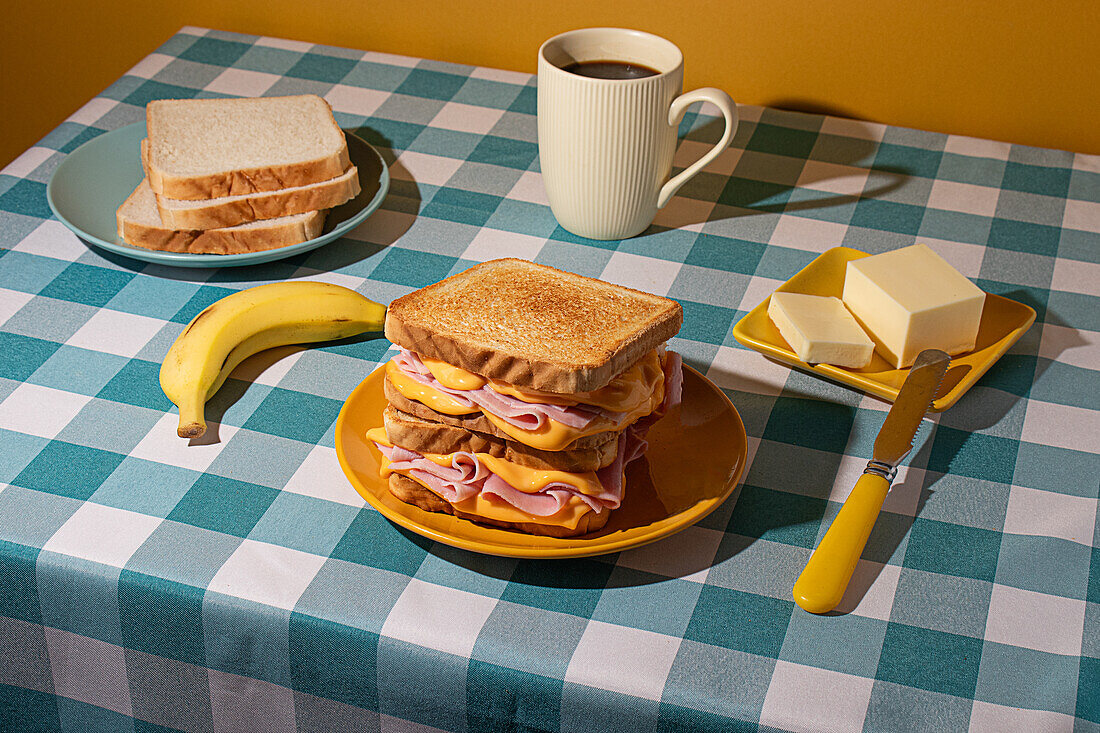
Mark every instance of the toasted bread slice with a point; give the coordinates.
(478, 423)
(533, 326)
(232, 210)
(139, 224)
(412, 492)
(429, 436)
(210, 148)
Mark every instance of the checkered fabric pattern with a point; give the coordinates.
(243, 585)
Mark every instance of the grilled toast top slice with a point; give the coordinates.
(533, 326)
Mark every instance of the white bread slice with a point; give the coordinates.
(210, 148)
(533, 326)
(229, 211)
(139, 224)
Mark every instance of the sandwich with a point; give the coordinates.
(521, 392)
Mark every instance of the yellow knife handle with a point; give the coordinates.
(823, 581)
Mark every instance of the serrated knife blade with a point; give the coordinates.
(822, 583)
(895, 437)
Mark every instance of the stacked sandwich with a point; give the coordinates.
(520, 394)
(225, 176)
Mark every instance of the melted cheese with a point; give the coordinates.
(638, 391)
(422, 393)
(533, 480)
(492, 507)
(522, 478)
(552, 436)
(622, 394)
(451, 376)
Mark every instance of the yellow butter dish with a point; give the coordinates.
(1003, 322)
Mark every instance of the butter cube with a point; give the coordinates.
(820, 330)
(911, 299)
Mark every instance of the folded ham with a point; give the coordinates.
(529, 415)
(468, 476)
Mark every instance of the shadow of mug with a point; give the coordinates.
(761, 171)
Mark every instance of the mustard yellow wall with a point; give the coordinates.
(1016, 70)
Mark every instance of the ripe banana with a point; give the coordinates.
(234, 328)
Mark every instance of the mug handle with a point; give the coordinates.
(675, 112)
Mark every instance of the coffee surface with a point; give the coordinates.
(610, 69)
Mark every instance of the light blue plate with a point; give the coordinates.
(93, 181)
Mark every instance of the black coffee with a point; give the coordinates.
(610, 69)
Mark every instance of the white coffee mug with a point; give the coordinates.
(606, 145)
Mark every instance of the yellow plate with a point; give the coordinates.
(1004, 321)
(695, 459)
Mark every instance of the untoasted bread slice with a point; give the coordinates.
(232, 210)
(429, 436)
(533, 326)
(478, 423)
(209, 148)
(139, 224)
(411, 492)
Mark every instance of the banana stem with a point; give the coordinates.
(192, 420)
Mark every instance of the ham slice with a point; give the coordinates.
(526, 415)
(529, 415)
(468, 476)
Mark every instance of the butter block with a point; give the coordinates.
(911, 299)
(820, 330)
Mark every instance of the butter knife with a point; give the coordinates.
(823, 581)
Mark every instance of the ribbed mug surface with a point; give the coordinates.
(605, 146)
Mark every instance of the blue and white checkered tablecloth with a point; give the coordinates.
(243, 585)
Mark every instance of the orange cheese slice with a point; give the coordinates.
(422, 393)
(523, 478)
(625, 393)
(451, 376)
(492, 507)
